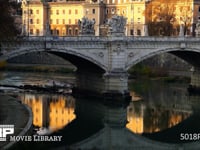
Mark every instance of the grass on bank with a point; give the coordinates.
(143, 71)
(36, 68)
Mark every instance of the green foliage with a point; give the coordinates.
(140, 70)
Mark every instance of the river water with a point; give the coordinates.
(159, 109)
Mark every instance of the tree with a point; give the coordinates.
(186, 18)
(7, 27)
(164, 17)
(160, 17)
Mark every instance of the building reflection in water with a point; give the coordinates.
(61, 112)
(56, 111)
(50, 111)
(143, 117)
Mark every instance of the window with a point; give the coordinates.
(138, 20)
(113, 11)
(51, 12)
(93, 11)
(131, 32)
(37, 32)
(37, 11)
(199, 8)
(63, 21)
(31, 21)
(138, 32)
(30, 11)
(70, 11)
(124, 11)
(57, 12)
(63, 11)
(70, 32)
(51, 21)
(57, 21)
(76, 11)
(38, 21)
(107, 11)
(76, 31)
(31, 31)
(69, 21)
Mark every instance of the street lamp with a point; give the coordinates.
(47, 18)
(132, 20)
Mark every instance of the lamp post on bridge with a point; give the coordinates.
(47, 31)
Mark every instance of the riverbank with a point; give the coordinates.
(38, 68)
(12, 112)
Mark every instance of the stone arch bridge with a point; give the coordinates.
(103, 62)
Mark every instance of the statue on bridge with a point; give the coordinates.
(117, 24)
(86, 26)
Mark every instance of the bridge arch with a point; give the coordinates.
(190, 55)
(76, 57)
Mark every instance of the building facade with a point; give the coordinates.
(156, 17)
(62, 16)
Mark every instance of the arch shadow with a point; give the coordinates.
(78, 59)
(190, 55)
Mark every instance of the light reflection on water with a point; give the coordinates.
(158, 109)
(53, 112)
(50, 112)
(144, 119)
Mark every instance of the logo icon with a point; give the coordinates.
(5, 130)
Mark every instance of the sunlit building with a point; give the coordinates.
(135, 118)
(174, 14)
(61, 17)
(64, 18)
(37, 106)
(61, 113)
(53, 112)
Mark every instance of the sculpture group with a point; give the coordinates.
(86, 26)
(116, 25)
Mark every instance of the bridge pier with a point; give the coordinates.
(113, 85)
(116, 82)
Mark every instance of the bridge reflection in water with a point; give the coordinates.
(56, 111)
